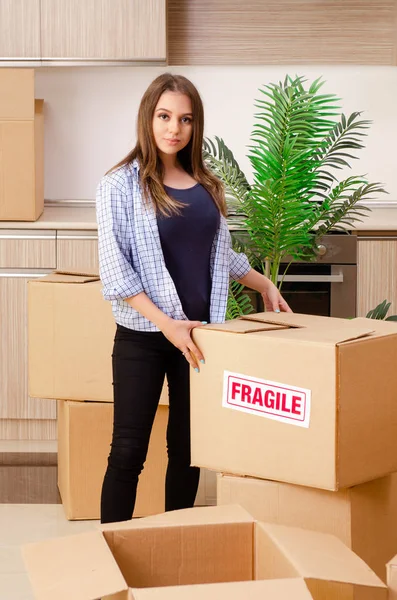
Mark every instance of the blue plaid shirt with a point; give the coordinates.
(131, 258)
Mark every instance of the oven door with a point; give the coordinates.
(320, 289)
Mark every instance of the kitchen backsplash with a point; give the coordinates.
(90, 116)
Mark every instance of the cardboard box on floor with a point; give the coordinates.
(70, 339)
(21, 147)
(297, 398)
(212, 545)
(84, 436)
(363, 517)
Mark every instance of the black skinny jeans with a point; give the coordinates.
(140, 362)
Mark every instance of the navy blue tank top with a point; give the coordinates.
(186, 241)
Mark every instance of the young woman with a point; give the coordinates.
(165, 263)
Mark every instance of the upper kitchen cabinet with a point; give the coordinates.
(277, 32)
(19, 30)
(103, 30)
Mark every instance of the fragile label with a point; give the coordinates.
(276, 401)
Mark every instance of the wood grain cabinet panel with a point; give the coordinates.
(27, 249)
(376, 274)
(103, 29)
(276, 32)
(20, 29)
(77, 251)
(14, 400)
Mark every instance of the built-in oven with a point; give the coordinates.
(326, 286)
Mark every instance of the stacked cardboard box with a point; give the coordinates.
(70, 337)
(21, 147)
(304, 416)
(196, 554)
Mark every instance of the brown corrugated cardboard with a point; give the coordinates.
(16, 94)
(392, 578)
(70, 339)
(363, 517)
(312, 403)
(274, 589)
(208, 546)
(84, 436)
(22, 167)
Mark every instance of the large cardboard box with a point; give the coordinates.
(84, 437)
(16, 94)
(21, 147)
(363, 517)
(212, 545)
(297, 398)
(70, 339)
(22, 167)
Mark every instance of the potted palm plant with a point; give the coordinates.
(299, 142)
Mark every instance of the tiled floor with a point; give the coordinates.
(21, 524)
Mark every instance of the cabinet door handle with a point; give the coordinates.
(77, 237)
(25, 273)
(337, 278)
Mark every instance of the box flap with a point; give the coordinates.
(321, 556)
(379, 327)
(68, 277)
(81, 567)
(241, 325)
(200, 515)
(315, 328)
(273, 589)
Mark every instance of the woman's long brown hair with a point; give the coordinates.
(190, 157)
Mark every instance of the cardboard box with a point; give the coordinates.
(363, 517)
(70, 339)
(22, 167)
(16, 94)
(297, 398)
(211, 545)
(84, 437)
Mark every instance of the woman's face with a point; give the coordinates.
(172, 122)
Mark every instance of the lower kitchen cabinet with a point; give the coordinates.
(77, 251)
(24, 255)
(376, 273)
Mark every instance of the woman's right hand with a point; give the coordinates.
(179, 334)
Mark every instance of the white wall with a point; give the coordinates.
(90, 116)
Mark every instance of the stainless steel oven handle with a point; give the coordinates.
(337, 278)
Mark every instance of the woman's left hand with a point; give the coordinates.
(273, 300)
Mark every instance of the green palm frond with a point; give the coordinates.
(238, 303)
(380, 312)
(300, 141)
(222, 163)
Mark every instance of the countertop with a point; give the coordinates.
(81, 216)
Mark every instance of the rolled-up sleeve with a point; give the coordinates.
(117, 274)
(239, 265)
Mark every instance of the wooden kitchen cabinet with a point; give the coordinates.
(114, 30)
(19, 29)
(24, 255)
(77, 251)
(376, 273)
(281, 32)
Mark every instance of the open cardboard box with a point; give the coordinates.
(297, 398)
(70, 338)
(147, 558)
(364, 517)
